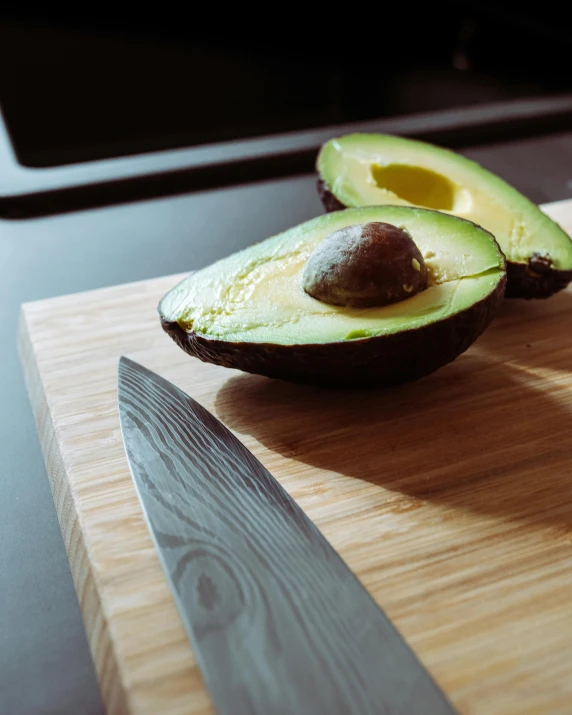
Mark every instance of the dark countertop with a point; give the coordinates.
(45, 665)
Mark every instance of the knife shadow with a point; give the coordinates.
(478, 434)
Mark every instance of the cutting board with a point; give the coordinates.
(450, 497)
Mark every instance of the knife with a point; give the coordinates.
(277, 621)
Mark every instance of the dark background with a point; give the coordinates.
(99, 81)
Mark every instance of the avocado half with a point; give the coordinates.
(369, 169)
(249, 310)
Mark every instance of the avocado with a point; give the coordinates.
(368, 169)
(251, 311)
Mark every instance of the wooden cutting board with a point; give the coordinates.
(451, 497)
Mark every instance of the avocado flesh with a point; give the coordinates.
(371, 169)
(255, 298)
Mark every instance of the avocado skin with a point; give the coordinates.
(526, 283)
(521, 283)
(382, 361)
(329, 201)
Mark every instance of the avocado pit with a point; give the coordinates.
(365, 265)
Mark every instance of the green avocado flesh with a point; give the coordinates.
(256, 295)
(370, 169)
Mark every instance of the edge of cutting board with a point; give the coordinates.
(73, 534)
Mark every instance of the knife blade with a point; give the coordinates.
(277, 621)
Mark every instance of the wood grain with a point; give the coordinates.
(450, 498)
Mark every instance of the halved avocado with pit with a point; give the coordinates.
(375, 169)
(253, 310)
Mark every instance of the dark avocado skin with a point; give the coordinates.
(328, 200)
(532, 281)
(382, 361)
(528, 281)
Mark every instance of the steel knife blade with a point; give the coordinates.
(277, 621)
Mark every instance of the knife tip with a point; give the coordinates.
(127, 365)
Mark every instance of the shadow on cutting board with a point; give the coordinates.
(535, 333)
(479, 434)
